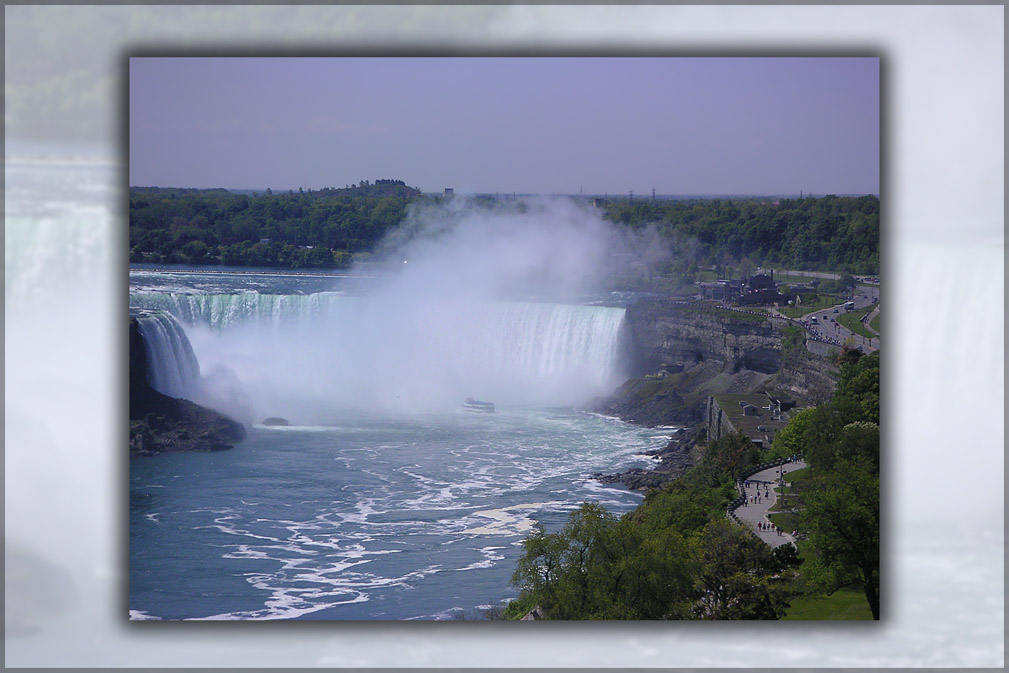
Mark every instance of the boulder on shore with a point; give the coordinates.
(674, 459)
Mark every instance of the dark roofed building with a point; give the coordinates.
(721, 289)
(757, 415)
(760, 281)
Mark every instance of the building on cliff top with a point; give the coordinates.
(757, 289)
(759, 416)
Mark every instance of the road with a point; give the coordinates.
(827, 327)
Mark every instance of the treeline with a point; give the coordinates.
(315, 228)
(334, 226)
(831, 233)
(677, 556)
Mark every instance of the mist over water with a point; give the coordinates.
(470, 300)
(383, 499)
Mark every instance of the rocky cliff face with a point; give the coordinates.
(682, 353)
(160, 423)
(673, 336)
(805, 377)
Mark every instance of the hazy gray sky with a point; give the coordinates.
(540, 125)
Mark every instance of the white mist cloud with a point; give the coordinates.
(485, 305)
(546, 246)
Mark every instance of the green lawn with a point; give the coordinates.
(790, 499)
(782, 277)
(802, 474)
(842, 604)
(853, 321)
(874, 323)
(822, 301)
(705, 276)
(786, 521)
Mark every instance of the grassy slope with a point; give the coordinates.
(843, 604)
(853, 321)
(822, 301)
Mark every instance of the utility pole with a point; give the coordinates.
(653, 193)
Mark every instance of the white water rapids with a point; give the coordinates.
(300, 355)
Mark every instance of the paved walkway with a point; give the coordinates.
(868, 318)
(763, 485)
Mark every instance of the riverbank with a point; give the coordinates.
(681, 354)
(672, 461)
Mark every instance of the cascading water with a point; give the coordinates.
(225, 310)
(298, 355)
(381, 489)
(172, 367)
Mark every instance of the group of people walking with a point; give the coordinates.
(761, 490)
(757, 497)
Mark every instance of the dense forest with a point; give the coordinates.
(830, 233)
(677, 556)
(333, 227)
(315, 228)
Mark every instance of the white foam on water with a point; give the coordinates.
(140, 615)
(490, 557)
(298, 428)
(506, 523)
(348, 547)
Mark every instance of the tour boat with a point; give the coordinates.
(476, 405)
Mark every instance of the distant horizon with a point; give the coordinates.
(547, 125)
(642, 196)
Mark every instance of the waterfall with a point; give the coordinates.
(541, 341)
(225, 310)
(289, 353)
(172, 367)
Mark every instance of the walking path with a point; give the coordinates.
(761, 483)
(867, 318)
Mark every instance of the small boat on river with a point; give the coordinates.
(478, 406)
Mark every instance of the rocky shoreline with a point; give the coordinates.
(673, 460)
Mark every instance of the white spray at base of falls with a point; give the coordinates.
(447, 316)
(172, 367)
(299, 356)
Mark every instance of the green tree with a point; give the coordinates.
(601, 567)
(734, 569)
(841, 502)
(195, 252)
(791, 439)
(841, 514)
